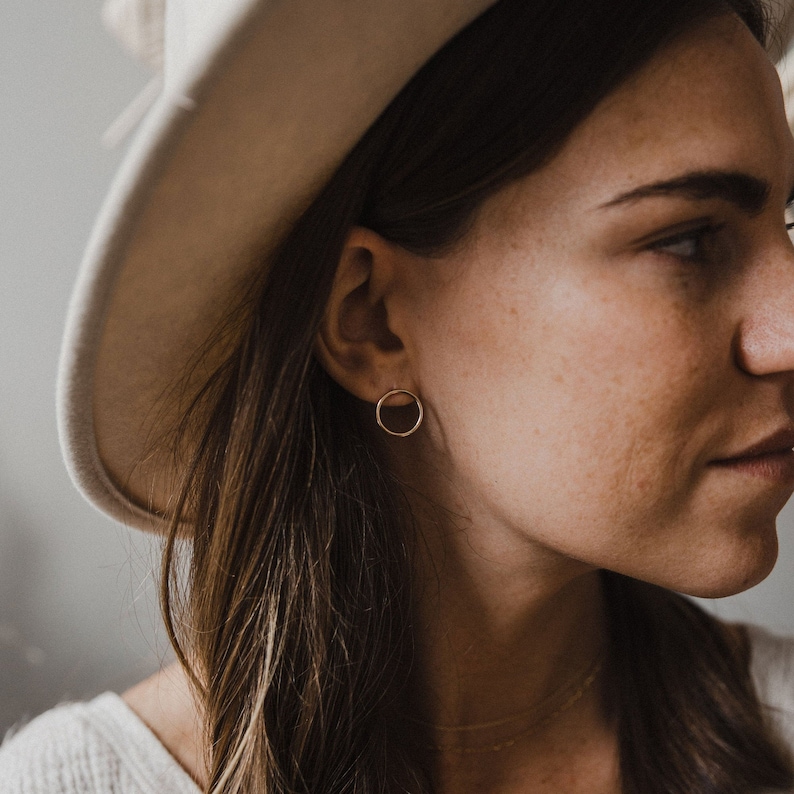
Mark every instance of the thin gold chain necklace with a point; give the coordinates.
(576, 692)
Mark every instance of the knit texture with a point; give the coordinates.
(773, 675)
(100, 747)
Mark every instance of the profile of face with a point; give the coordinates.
(601, 356)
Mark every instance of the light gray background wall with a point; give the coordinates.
(76, 607)
(77, 612)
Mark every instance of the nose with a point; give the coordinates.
(765, 339)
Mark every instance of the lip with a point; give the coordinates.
(771, 458)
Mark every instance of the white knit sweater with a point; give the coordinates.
(102, 747)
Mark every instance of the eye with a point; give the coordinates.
(694, 245)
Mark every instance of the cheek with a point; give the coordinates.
(570, 404)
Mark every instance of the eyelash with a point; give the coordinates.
(698, 236)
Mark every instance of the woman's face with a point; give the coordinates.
(616, 334)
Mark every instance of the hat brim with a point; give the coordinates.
(234, 149)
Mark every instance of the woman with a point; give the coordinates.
(444, 411)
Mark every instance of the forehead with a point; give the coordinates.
(710, 100)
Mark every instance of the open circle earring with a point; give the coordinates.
(419, 418)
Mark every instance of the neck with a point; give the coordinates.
(481, 663)
(498, 630)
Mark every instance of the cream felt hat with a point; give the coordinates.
(259, 102)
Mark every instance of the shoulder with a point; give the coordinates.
(99, 747)
(772, 669)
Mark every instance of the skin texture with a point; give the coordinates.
(584, 361)
(577, 383)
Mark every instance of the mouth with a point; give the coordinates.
(771, 458)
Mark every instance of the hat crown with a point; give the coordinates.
(170, 36)
(191, 30)
(139, 26)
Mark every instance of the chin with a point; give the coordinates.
(734, 567)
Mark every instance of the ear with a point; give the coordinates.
(356, 343)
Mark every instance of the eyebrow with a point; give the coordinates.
(748, 193)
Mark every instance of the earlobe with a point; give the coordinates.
(355, 343)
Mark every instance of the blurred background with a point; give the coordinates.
(78, 610)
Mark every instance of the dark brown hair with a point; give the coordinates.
(295, 612)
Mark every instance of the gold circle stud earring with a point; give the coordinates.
(419, 418)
